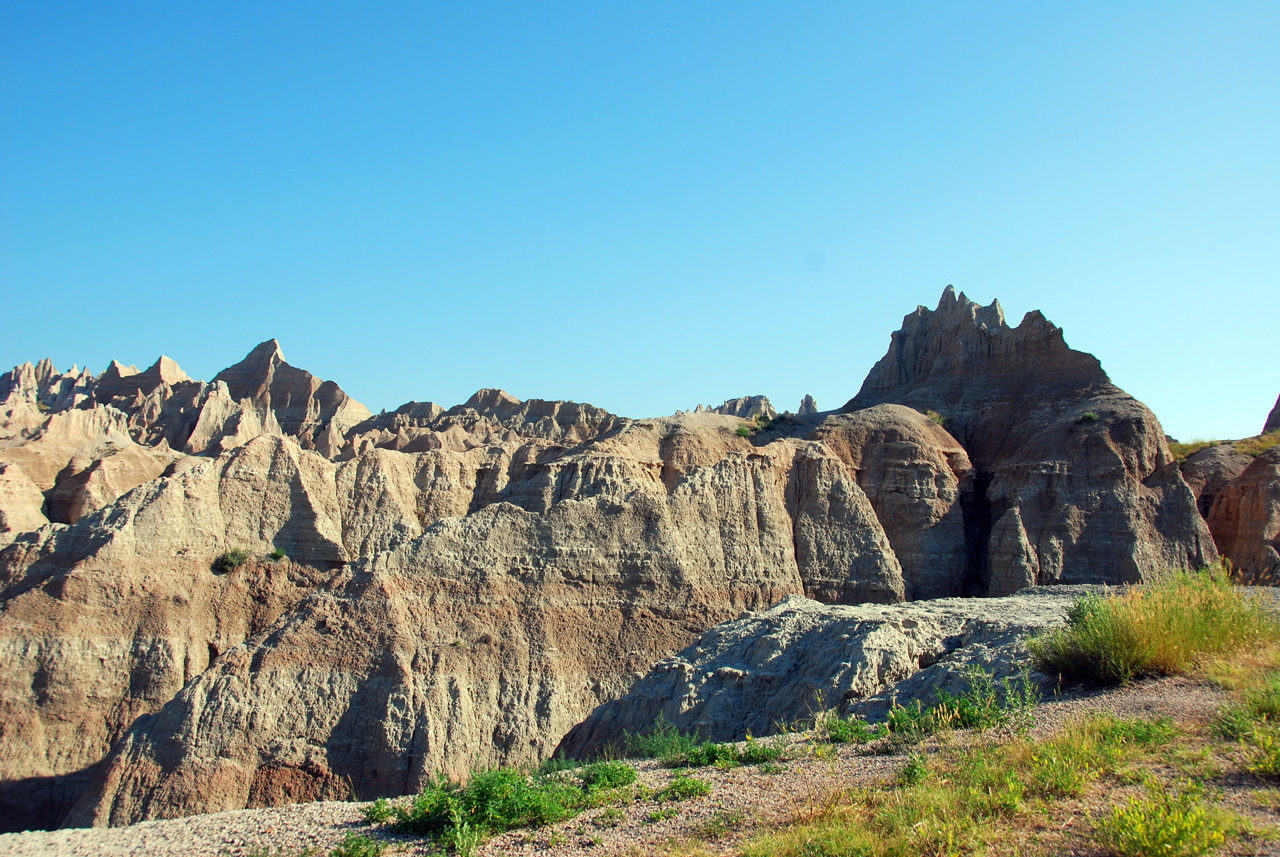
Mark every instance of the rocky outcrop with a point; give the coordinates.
(1245, 519)
(789, 664)
(1273, 419)
(748, 407)
(807, 406)
(1073, 481)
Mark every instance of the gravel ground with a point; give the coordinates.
(740, 800)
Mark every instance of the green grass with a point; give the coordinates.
(676, 749)
(1165, 627)
(851, 730)
(277, 554)
(1182, 451)
(683, 787)
(231, 560)
(745, 430)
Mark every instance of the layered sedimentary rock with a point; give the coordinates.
(464, 585)
(1245, 519)
(799, 659)
(748, 407)
(1210, 470)
(1073, 481)
(1273, 419)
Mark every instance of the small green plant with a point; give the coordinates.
(277, 554)
(936, 417)
(231, 560)
(745, 430)
(758, 752)
(772, 768)
(1089, 417)
(683, 787)
(1165, 627)
(1165, 822)
(706, 754)
(359, 845)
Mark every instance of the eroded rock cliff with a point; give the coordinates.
(462, 586)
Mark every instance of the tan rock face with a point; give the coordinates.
(1072, 481)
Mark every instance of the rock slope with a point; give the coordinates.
(1273, 418)
(462, 586)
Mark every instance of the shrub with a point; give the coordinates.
(607, 775)
(1165, 822)
(744, 430)
(663, 741)
(1164, 627)
(914, 772)
(1089, 417)
(276, 555)
(936, 417)
(379, 811)
(231, 560)
(983, 705)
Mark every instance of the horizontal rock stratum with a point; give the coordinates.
(460, 587)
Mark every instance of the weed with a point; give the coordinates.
(702, 755)
(745, 430)
(1089, 417)
(556, 764)
(662, 813)
(277, 554)
(359, 845)
(1165, 822)
(936, 417)
(230, 561)
(757, 752)
(983, 705)
(1167, 626)
(683, 787)
(772, 768)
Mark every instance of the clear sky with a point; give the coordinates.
(642, 205)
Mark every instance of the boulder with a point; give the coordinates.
(1211, 469)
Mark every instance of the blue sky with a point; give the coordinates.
(642, 205)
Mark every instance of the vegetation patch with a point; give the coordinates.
(1255, 446)
(230, 561)
(461, 817)
(1172, 821)
(985, 704)
(1166, 627)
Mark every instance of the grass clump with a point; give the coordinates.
(663, 741)
(1167, 627)
(676, 749)
(851, 730)
(359, 845)
(1255, 446)
(1173, 822)
(1089, 417)
(231, 560)
(277, 554)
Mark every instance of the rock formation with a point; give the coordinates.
(1245, 519)
(1273, 419)
(800, 658)
(1073, 481)
(807, 406)
(462, 586)
(748, 407)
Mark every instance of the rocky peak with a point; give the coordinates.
(252, 376)
(1273, 420)
(807, 406)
